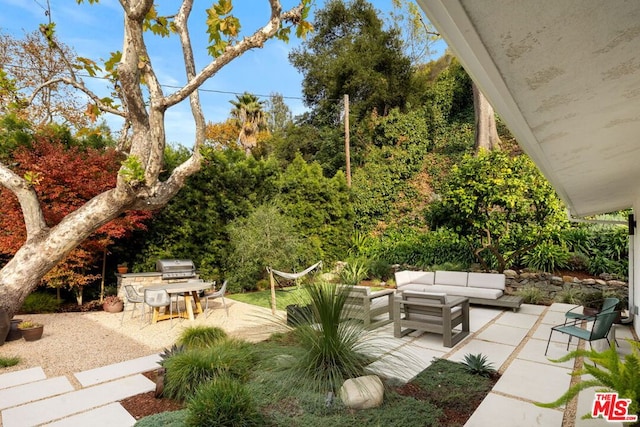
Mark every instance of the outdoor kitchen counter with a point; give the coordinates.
(189, 291)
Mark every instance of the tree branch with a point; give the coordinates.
(231, 52)
(80, 86)
(31, 211)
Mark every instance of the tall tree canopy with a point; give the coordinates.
(249, 116)
(143, 108)
(351, 53)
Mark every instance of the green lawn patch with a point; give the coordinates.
(284, 297)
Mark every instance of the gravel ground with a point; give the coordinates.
(75, 342)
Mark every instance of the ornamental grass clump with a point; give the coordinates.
(201, 337)
(187, 370)
(223, 401)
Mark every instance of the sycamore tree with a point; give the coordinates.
(142, 103)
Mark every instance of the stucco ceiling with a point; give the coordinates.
(565, 77)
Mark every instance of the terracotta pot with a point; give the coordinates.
(32, 334)
(123, 269)
(113, 308)
(590, 311)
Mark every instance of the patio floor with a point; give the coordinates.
(513, 342)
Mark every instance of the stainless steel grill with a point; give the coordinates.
(176, 268)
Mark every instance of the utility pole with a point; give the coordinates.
(347, 153)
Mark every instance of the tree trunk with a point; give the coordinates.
(486, 133)
(144, 107)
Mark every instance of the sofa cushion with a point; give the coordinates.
(414, 277)
(466, 291)
(451, 278)
(414, 287)
(486, 280)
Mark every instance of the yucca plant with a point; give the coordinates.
(609, 373)
(332, 347)
(477, 364)
(354, 272)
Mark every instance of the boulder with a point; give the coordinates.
(362, 392)
(510, 274)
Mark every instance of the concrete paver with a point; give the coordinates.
(64, 405)
(24, 376)
(109, 415)
(501, 411)
(29, 392)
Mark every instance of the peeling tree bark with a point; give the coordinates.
(144, 114)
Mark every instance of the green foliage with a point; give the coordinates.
(608, 371)
(353, 272)
(332, 347)
(195, 337)
(569, 295)
(164, 419)
(478, 364)
(332, 63)
(265, 239)
(531, 295)
(186, 371)
(419, 249)
(379, 269)
(6, 361)
(547, 256)
(319, 208)
(132, 171)
(229, 186)
(223, 401)
(449, 385)
(502, 205)
(40, 302)
(604, 247)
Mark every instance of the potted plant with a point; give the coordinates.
(591, 302)
(113, 304)
(31, 331)
(123, 268)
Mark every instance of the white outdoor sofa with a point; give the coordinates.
(480, 288)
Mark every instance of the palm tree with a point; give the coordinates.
(250, 118)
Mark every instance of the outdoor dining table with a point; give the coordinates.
(189, 291)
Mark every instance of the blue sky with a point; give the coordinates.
(94, 31)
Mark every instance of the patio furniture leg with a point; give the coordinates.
(548, 341)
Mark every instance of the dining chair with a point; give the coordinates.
(157, 298)
(217, 294)
(600, 327)
(131, 296)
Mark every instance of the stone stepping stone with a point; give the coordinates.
(118, 370)
(75, 402)
(31, 392)
(112, 415)
(24, 376)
